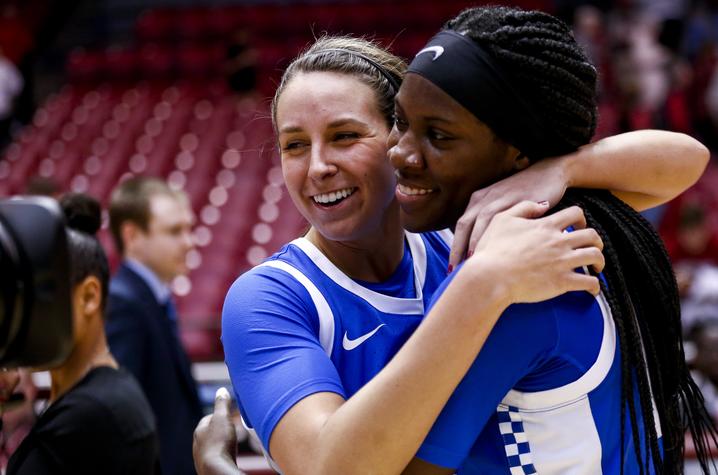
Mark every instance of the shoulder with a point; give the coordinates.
(274, 293)
(277, 279)
(109, 403)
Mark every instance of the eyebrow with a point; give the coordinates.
(332, 125)
(430, 118)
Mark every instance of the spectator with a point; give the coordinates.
(98, 420)
(11, 84)
(692, 242)
(241, 63)
(151, 227)
(704, 335)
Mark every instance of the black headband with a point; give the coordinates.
(387, 75)
(463, 70)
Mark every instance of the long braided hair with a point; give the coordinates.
(551, 71)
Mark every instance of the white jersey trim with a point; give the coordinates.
(383, 303)
(447, 236)
(324, 312)
(583, 385)
(253, 435)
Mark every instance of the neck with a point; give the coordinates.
(372, 258)
(84, 357)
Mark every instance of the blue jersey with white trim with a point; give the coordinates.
(543, 396)
(296, 325)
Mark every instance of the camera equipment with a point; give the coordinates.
(35, 303)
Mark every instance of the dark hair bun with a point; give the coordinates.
(82, 212)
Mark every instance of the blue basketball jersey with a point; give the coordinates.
(543, 396)
(296, 325)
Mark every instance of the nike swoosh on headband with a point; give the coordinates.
(352, 344)
(437, 50)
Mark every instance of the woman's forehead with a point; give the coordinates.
(332, 96)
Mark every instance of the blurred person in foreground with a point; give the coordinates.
(97, 420)
(151, 225)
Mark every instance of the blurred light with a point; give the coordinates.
(218, 196)
(255, 255)
(47, 168)
(268, 212)
(194, 259)
(231, 158)
(163, 110)
(181, 285)
(189, 142)
(203, 109)
(184, 160)
(272, 193)
(80, 184)
(93, 165)
(209, 215)
(261, 233)
(235, 140)
(202, 236)
(176, 180)
(225, 178)
(274, 176)
(138, 163)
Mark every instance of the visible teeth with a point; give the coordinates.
(333, 196)
(407, 190)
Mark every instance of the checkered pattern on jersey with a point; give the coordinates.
(516, 445)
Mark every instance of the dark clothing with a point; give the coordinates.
(102, 425)
(144, 340)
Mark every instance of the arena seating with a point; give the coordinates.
(160, 106)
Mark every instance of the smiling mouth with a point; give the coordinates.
(411, 191)
(333, 198)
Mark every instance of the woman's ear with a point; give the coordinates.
(521, 161)
(89, 295)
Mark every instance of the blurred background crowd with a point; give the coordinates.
(94, 92)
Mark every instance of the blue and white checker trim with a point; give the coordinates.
(516, 445)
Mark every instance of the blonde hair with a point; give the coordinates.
(356, 57)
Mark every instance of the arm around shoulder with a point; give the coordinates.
(645, 168)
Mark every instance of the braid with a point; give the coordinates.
(643, 297)
(555, 77)
(552, 72)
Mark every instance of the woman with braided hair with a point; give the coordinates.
(579, 383)
(312, 336)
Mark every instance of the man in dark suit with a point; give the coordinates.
(151, 225)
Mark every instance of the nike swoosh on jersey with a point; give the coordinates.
(352, 344)
(437, 50)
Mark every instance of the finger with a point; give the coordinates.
(462, 232)
(584, 238)
(588, 257)
(222, 402)
(482, 222)
(583, 282)
(203, 423)
(527, 209)
(571, 216)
